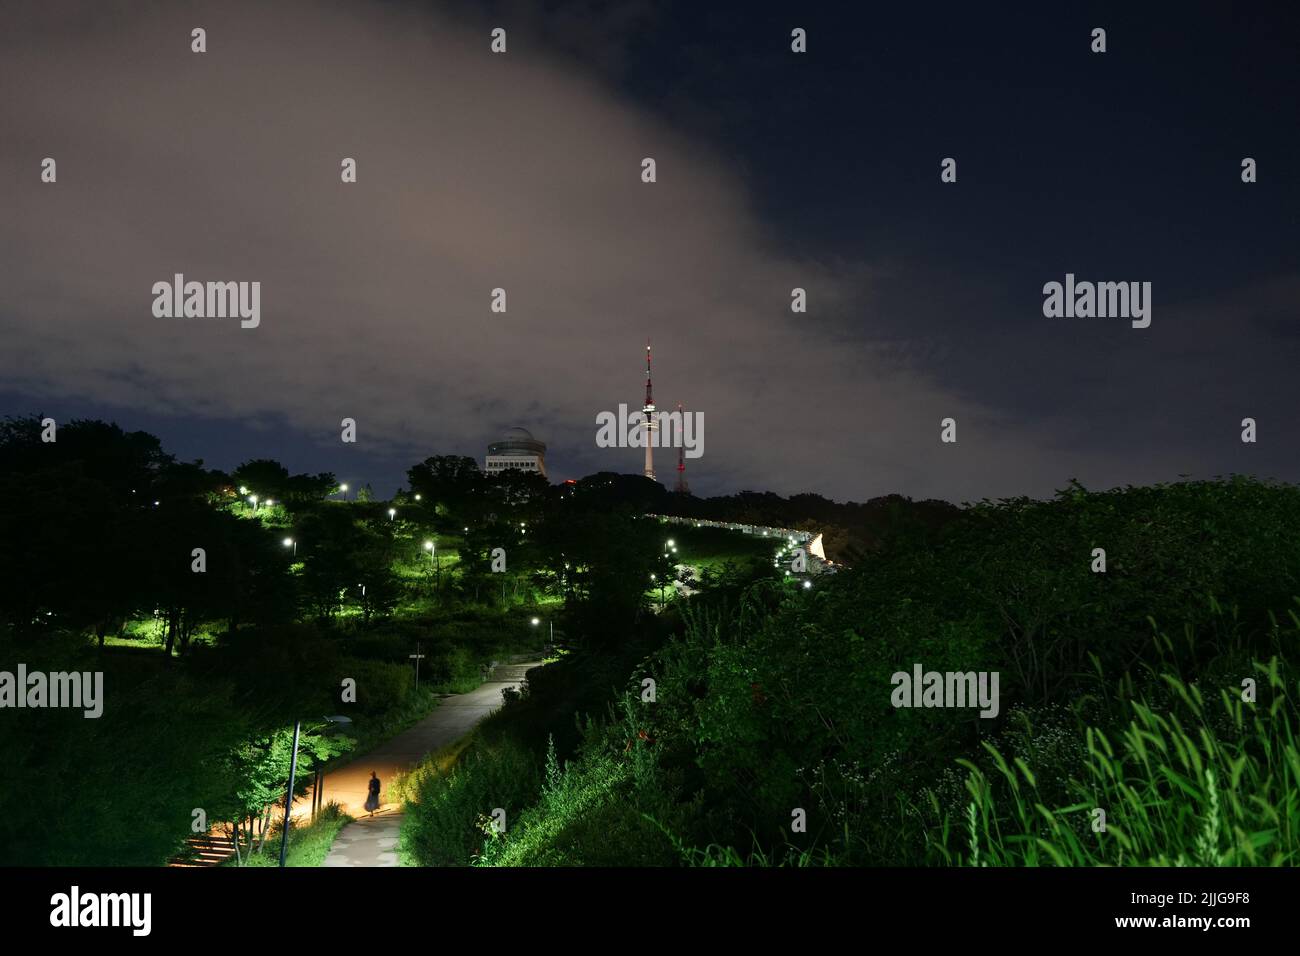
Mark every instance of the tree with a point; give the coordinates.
(449, 482)
(189, 480)
(260, 766)
(70, 512)
(348, 557)
(190, 589)
(270, 479)
(610, 558)
(263, 477)
(304, 489)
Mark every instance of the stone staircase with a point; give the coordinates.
(509, 672)
(203, 850)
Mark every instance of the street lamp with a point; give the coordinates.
(434, 560)
(291, 543)
(550, 625)
(293, 772)
(392, 513)
(344, 490)
(288, 796)
(253, 499)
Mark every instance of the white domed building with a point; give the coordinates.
(516, 449)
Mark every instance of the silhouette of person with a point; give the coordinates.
(372, 800)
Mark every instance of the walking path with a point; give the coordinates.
(367, 842)
(373, 841)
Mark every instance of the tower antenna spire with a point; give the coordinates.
(682, 487)
(649, 423)
(649, 398)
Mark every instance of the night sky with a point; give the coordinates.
(775, 170)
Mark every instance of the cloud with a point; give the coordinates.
(475, 171)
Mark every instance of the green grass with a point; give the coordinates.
(308, 845)
(714, 548)
(1195, 783)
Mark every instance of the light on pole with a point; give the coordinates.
(344, 490)
(434, 560)
(288, 796)
(550, 627)
(392, 513)
(253, 500)
(337, 722)
(291, 543)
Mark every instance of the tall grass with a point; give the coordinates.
(309, 843)
(1192, 782)
(450, 801)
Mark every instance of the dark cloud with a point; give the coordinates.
(479, 171)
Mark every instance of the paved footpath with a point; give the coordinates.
(372, 841)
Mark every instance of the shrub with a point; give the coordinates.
(445, 824)
(380, 687)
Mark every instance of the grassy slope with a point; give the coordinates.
(772, 708)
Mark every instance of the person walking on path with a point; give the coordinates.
(372, 801)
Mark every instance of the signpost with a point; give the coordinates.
(417, 656)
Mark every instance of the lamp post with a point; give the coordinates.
(291, 543)
(344, 490)
(318, 789)
(434, 560)
(392, 513)
(288, 796)
(550, 628)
